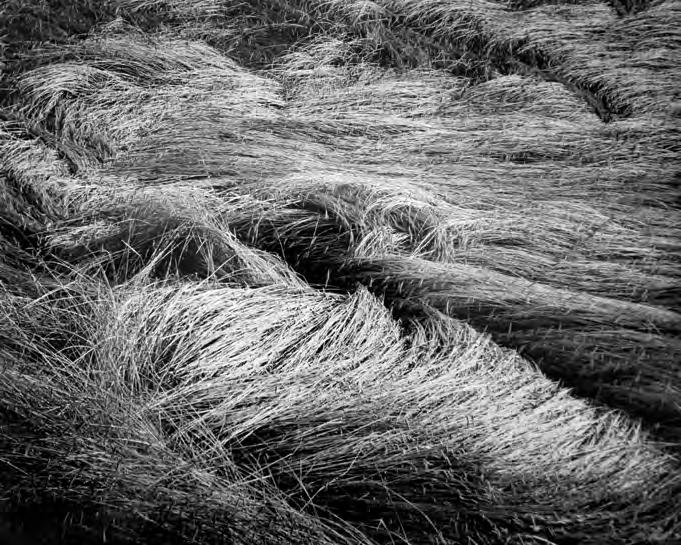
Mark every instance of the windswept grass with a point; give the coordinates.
(220, 390)
(340, 272)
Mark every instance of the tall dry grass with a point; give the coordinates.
(258, 261)
(283, 408)
(292, 147)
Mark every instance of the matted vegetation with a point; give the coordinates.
(340, 272)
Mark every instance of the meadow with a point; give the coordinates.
(340, 272)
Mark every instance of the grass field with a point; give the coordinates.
(340, 272)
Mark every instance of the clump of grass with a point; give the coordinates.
(97, 99)
(162, 234)
(225, 390)
(568, 334)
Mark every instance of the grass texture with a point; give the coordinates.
(340, 272)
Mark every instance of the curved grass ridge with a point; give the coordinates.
(230, 395)
(267, 306)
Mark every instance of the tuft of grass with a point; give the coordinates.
(569, 335)
(220, 390)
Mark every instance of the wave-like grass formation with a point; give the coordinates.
(340, 272)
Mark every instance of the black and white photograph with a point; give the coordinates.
(340, 272)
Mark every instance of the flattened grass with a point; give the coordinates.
(440, 434)
(253, 306)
